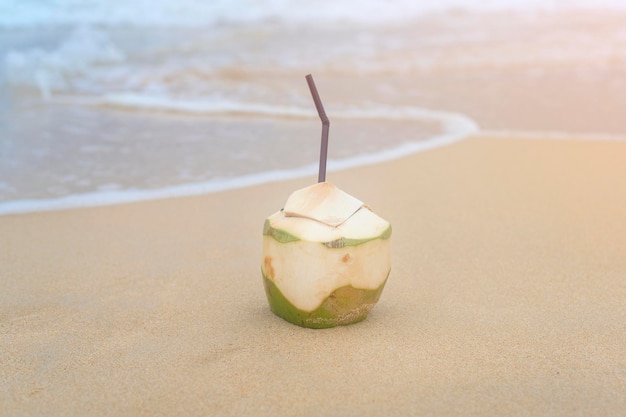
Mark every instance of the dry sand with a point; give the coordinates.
(507, 297)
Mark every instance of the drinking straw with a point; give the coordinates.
(321, 177)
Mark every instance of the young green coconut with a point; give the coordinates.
(326, 256)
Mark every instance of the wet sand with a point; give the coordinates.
(506, 297)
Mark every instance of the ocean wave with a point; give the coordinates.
(455, 128)
(233, 64)
(79, 57)
(135, 101)
(18, 13)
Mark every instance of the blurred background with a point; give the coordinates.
(103, 101)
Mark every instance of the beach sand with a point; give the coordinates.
(507, 297)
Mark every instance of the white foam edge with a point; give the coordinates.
(223, 107)
(456, 127)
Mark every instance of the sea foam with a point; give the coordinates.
(455, 128)
(19, 13)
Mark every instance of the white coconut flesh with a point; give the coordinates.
(322, 202)
(332, 242)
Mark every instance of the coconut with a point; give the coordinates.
(326, 258)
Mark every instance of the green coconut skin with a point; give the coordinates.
(345, 305)
(286, 237)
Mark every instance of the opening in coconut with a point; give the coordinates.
(322, 202)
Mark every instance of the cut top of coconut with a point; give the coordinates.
(322, 202)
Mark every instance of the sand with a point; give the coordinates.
(507, 297)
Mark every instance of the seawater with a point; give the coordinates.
(104, 102)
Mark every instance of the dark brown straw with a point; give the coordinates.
(321, 177)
